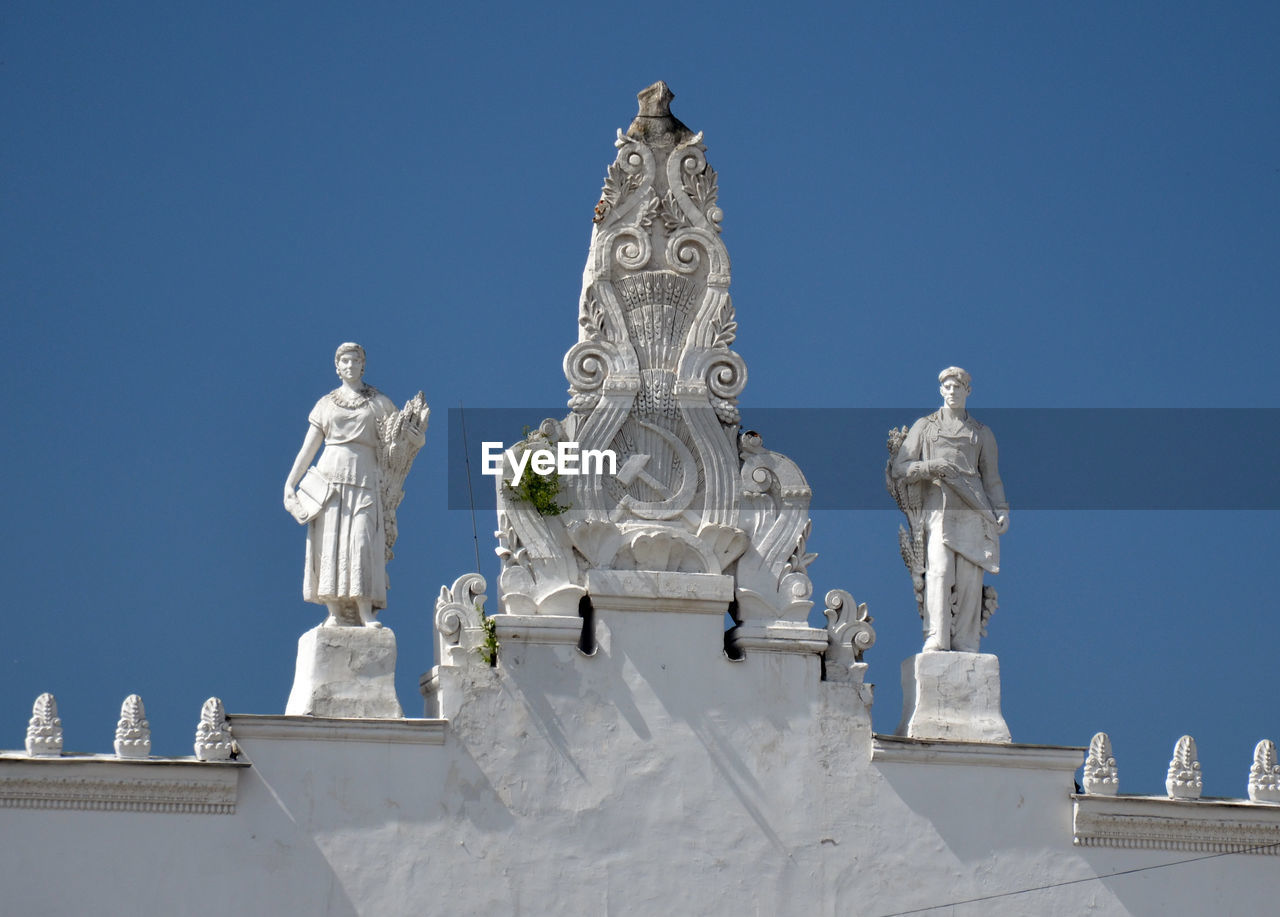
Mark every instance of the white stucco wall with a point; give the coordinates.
(655, 777)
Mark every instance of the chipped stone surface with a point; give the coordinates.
(953, 696)
(345, 672)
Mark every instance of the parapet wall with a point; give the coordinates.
(655, 774)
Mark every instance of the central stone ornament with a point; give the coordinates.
(653, 378)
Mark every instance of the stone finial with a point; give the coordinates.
(1101, 778)
(461, 632)
(654, 124)
(213, 734)
(1184, 780)
(849, 634)
(1264, 775)
(44, 729)
(133, 732)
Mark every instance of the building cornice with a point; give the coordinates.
(1161, 823)
(107, 783)
(334, 729)
(897, 749)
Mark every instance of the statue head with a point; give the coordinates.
(951, 372)
(352, 353)
(954, 384)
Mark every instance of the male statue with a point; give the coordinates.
(945, 477)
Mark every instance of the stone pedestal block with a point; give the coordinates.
(952, 696)
(345, 672)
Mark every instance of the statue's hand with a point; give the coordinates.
(940, 468)
(290, 499)
(1002, 523)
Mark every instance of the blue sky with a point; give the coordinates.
(1078, 203)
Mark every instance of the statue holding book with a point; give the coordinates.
(348, 499)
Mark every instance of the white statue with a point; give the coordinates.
(944, 475)
(348, 500)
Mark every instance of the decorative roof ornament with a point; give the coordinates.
(133, 732)
(44, 729)
(1264, 775)
(1101, 777)
(460, 623)
(653, 380)
(849, 634)
(1184, 780)
(213, 735)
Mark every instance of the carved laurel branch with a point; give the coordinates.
(592, 319)
(849, 634)
(510, 549)
(990, 602)
(724, 327)
(672, 216)
(910, 501)
(630, 171)
(618, 183)
(799, 560)
(648, 210)
(703, 188)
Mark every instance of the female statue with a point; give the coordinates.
(348, 499)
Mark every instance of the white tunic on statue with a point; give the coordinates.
(346, 542)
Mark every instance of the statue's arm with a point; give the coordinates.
(310, 446)
(989, 469)
(908, 464)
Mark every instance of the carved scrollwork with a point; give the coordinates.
(725, 375)
(695, 187)
(587, 365)
(632, 170)
(849, 635)
(631, 248)
(460, 605)
(775, 514)
(686, 249)
(459, 610)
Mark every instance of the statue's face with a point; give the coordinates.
(350, 367)
(954, 392)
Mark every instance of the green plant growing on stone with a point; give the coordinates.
(538, 490)
(488, 649)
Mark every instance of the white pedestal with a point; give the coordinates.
(952, 696)
(345, 672)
